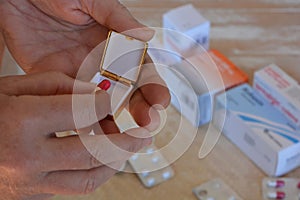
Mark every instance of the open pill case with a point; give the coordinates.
(121, 64)
(119, 69)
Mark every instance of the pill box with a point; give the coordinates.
(191, 26)
(281, 90)
(262, 132)
(194, 82)
(215, 190)
(281, 188)
(121, 64)
(151, 167)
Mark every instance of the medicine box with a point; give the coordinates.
(189, 28)
(258, 129)
(281, 90)
(194, 82)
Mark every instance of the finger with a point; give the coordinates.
(76, 182)
(105, 126)
(49, 83)
(152, 87)
(61, 112)
(109, 126)
(2, 47)
(144, 115)
(87, 152)
(119, 18)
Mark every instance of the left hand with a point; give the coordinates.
(57, 35)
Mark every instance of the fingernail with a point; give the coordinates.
(97, 89)
(144, 34)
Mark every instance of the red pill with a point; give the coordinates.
(276, 195)
(104, 85)
(276, 183)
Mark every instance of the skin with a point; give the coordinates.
(62, 165)
(2, 46)
(47, 35)
(57, 35)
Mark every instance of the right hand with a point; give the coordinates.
(36, 165)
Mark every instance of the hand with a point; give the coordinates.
(2, 46)
(45, 35)
(36, 165)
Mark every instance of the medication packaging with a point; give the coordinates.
(189, 27)
(258, 129)
(195, 81)
(215, 190)
(281, 188)
(151, 166)
(281, 90)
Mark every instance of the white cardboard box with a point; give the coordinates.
(195, 81)
(281, 90)
(189, 27)
(258, 130)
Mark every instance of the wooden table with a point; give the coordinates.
(252, 34)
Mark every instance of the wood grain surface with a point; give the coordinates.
(252, 34)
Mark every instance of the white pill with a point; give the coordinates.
(155, 159)
(150, 181)
(166, 175)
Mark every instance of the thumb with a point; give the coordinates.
(118, 18)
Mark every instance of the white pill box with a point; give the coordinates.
(188, 21)
(281, 90)
(121, 64)
(195, 81)
(258, 129)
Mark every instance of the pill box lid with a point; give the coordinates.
(122, 58)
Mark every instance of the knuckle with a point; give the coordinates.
(135, 146)
(90, 185)
(93, 162)
(56, 75)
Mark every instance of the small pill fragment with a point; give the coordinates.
(104, 85)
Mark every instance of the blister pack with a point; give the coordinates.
(281, 188)
(151, 167)
(215, 190)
